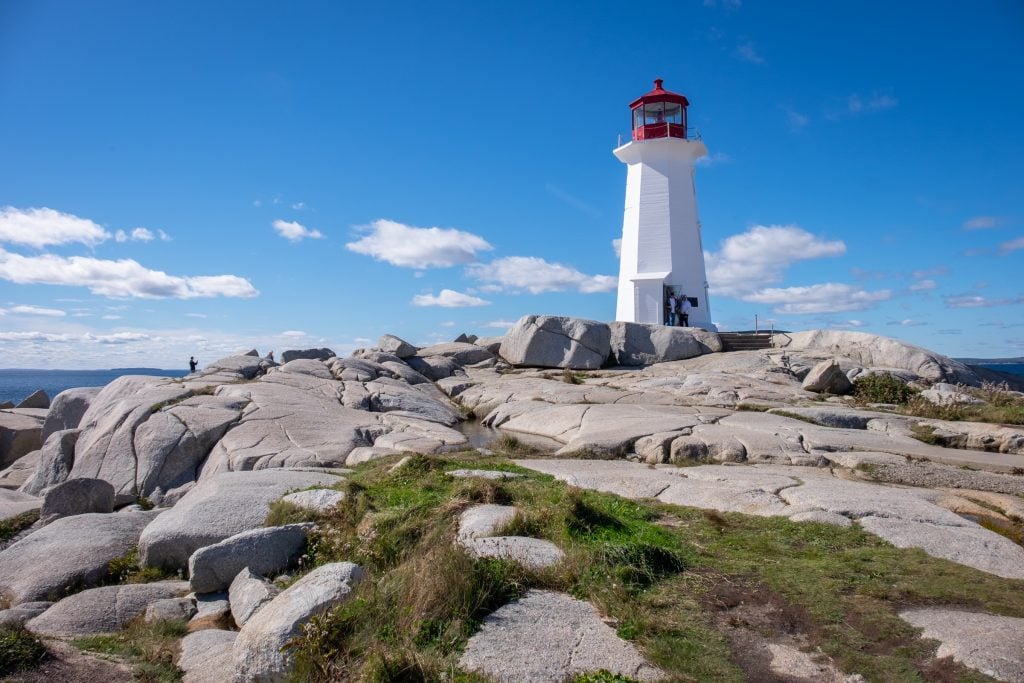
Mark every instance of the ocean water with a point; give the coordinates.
(15, 385)
(1012, 368)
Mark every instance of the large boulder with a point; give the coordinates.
(20, 434)
(248, 594)
(827, 377)
(260, 654)
(396, 346)
(463, 353)
(70, 552)
(206, 656)
(639, 344)
(102, 610)
(218, 508)
(874, 351)
(557, 342)
(434, 367)
(264, 551)
(311, 354)
(67, 409)
(56, 460)
(37, 399)
(76, 497)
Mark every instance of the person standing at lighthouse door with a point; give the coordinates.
(684, 310)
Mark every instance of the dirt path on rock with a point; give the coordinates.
(68, 664)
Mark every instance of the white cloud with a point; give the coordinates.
(38, 310)
(412, 247)
(977, 301)
(908, 322)
(120, 236)
(143, 235)
(293, 334)
(923, 286)
(299, 206)
(196, 315)
(748, 53)
(164, 237)
(714, 159)
(122, 278)
(617, 246)
(795, 119)
(447, 323)
(535, 275)
(45, 227)
(758, 257)
(293, 231)
(112, 317)
(830, 297)
(449, 298)
(857, 104)
(1012, 245)
(981, 223)
(499, 324)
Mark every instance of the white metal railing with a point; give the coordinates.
(691, 134)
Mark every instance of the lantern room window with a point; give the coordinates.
(659, 114)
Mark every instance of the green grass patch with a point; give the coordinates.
(12, 526)
(672, 580)
(925, 434)
(127, 569)
(150, 649)
(507, 444)
(19, 650)
(797, 416)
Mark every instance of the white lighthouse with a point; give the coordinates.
(661, 246)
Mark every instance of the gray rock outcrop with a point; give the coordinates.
(67, 409)
(313, 354)
(315, 499)
(263, 551)
(827, 377)
(170, 609)
(76, 497)
(218, 508)
(248, 594)
(56, 460)
(462, 353)
(206, 656)
(396, 346)
(551, 637)
(638, 344)
(991, 644)
(20, 434)
(557, 342)
(102, 610)
(259, 652)
(72, 551)
(37, 399)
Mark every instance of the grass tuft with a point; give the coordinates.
(881, 388)
(12, 526)
(149, 648)
(19, 650)
(126, 569)
(510, 445)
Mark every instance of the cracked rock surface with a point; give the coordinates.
(551, 637)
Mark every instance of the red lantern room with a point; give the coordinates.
(659, 114)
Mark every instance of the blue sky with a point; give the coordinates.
(199, 178)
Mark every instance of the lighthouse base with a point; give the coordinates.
(643, 299)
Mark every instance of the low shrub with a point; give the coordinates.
(881, 388)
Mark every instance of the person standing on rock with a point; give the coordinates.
(684, 311)
(192, 364)
(670, 309)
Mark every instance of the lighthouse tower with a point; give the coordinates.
(661, 246)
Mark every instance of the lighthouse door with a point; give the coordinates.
(649, 302)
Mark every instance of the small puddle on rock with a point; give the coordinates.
(481, 436)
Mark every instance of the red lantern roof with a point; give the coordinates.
(659, 94)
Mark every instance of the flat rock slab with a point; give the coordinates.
(315, 499)
(14, 503)
(626, 479)
(483, 474)
(218, 508)
(550, 637)
(973, 546)
(102, 610)
(72, 551)
(532, 553)
(206, 656)
(990, 644)
(483, 520)
(264, 551)
(259, 653)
